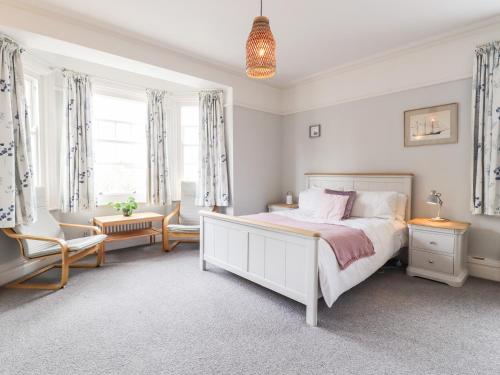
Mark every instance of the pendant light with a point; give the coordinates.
(261, 49)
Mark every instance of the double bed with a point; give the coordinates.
(296, 262)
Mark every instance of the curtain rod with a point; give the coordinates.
(119, 83)
(10, 40)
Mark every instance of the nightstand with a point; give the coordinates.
(438, 250)
(281, 206)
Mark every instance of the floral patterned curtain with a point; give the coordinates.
(17, 186)
(156, 135)
(486, 132)
(212, 188)
(77, 170)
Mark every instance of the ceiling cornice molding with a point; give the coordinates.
(426, 64)
(331, 103)
(269, 110)
(471, 29)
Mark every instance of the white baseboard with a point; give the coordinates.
(484, 268)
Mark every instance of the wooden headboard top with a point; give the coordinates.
(400, 182)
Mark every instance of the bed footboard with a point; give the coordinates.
(280, 258)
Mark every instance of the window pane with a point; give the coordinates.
(104, 129)
(106, 152)
(190, 172)
(120, 148)
(119, 182)
(119, 109)
(190, 155)
(190, 141)
(189, 115)
(190, 135)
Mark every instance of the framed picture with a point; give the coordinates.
(314, 131)
(432, 125)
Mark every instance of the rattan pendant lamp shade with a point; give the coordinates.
(261, 49)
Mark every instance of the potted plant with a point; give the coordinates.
(127, 207)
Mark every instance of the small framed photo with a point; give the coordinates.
(315, 131)
(432, 125)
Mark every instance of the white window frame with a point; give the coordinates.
(35, 128)
(177, 165)
(103, 87)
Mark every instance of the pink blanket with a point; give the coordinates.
(348, 244)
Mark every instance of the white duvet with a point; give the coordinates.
(387, 236)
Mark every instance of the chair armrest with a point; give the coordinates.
(169, 217)
(95, 229)
(62, 243)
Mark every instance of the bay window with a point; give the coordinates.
(120, 150)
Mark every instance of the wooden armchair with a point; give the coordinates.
(45, 238)
(183, 223)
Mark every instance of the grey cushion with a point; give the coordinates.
(183, 228)
(77, 244)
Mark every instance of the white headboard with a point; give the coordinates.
(400, 182)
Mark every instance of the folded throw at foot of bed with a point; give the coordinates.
(348, 244)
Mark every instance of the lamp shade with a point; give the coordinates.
(434, 198)
(261, 50)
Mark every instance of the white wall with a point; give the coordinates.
(367, 136)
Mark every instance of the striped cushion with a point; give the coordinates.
(77, 244)
(184, 228)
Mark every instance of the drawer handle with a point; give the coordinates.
(433, 243)
(431, 261)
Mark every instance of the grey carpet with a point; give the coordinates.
(147, 312)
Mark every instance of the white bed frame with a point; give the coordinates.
(280, 258)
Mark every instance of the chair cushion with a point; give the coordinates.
(183, 228)
(45, 226)
(77, 244)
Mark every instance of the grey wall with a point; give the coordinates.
(367, 136)
(257, 160)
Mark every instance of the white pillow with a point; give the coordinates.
(331, 207)
(309, 199)
(382, 204)
(401, 210)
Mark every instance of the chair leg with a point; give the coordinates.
(100, 254)
(174, 244)
(98, 262)
(64, 273)
(166, 244)
(20, 284)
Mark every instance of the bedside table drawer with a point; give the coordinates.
(432, 262)
(425, 240)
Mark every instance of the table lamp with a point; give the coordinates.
(435, 198)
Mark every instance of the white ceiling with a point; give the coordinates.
(312, 36)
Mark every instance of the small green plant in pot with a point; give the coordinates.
(127, 207)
